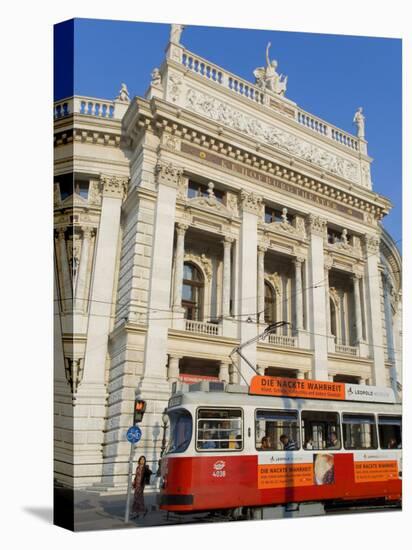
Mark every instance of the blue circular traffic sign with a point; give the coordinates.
(134, 434)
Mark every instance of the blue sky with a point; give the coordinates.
(328, 75)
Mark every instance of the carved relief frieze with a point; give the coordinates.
(232, 203)
(175, 86)
(202, 261)
(223, 113)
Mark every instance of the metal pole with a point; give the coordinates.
(129, 484)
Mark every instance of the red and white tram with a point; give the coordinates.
(248, 451)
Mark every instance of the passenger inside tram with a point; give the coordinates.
(266, 444)
(334, 442)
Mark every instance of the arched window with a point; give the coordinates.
(192, 293)
(270, 304)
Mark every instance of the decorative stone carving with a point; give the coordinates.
(167, 174)
(299, 224)
(123, 94)
(251, 202)
(371, 243)
(359, 120)
(366, 174)
(182, 189)
(56, 195)
(202, 261)
(317, 225)
(74, 246)
(95, 193)
(328, 262)
(114, 186)
(275, 280)
(175, 86)
(223, 113)
(74, 369)
(267, 77)
(335, 295)
(232, 203)
(156, 79)
(176, 33)
(210, 201)
(171, 142)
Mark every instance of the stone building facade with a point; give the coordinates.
(185, 222)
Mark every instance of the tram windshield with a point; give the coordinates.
(181, 426)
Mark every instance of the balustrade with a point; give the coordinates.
(202, 328)
(282, 340)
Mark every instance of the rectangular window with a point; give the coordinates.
(359, 431)
(390, 432)
(219, 429)
(277, 430)
(321, 430)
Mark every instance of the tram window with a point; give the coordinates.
(180, 431)
(277, 430)
(219, 429)
(321, 430)
(359, 431)
(390, 432)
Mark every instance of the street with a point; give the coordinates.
(93, 511)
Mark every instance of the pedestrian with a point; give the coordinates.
(141, 478)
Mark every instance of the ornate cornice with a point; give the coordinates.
(251, 202)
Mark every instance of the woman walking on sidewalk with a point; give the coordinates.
(141, 478)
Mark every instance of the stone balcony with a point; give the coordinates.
(346, 349)
(200, 327)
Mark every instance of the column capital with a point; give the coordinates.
(262, 247)
(371, 243)
(356, 276)
(87, 232)
(228, 240)
(298, 260)
(61, 233)
(114, 186)
(250, 202)
(168, 174)
(181, 228)
(316, 225)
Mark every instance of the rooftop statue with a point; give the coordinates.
(268, 78)
(359, 120)
(123, 94)
(176, 33)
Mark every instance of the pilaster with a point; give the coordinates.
(317, 230)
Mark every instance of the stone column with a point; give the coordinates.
(298, 294)
(261, 282)
(81, 303)
(318, 327)
(173, 369)
(373, 301)
(224, 371)
(251, 206)
(389, 332)
(227, 270)
(179, 263)
(300, 374)
(358, 309)
(66, 289)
